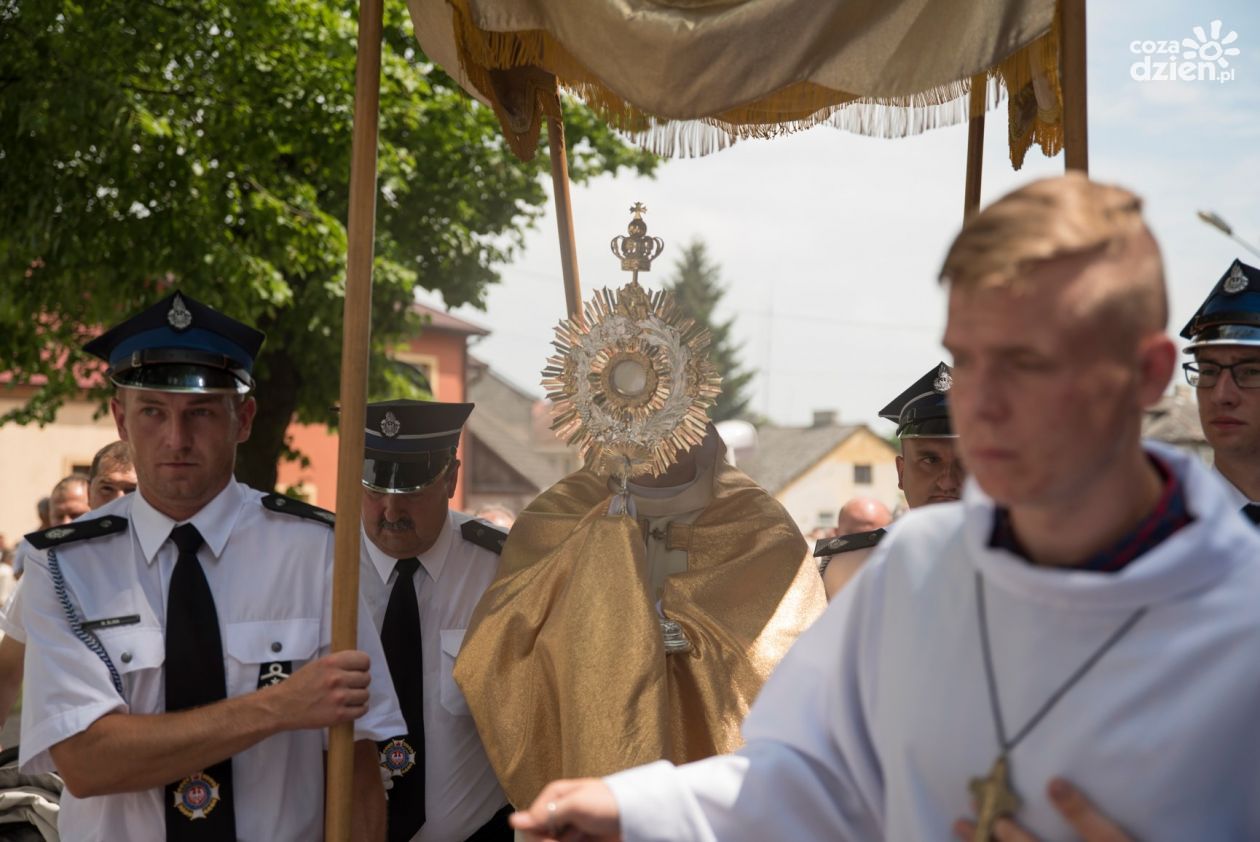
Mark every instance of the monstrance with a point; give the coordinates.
(631, 381)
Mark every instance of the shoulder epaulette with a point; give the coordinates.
(78, 531)
(291, 506)
(484, 535)
(848, 543)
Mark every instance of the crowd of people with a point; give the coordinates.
(1055, 641)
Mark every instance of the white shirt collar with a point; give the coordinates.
(1235, 493)
(214, 521)
(433, 560)
(1192, 558)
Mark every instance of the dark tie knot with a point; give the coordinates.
(1252, 511)
(187, 539)
(407, 567)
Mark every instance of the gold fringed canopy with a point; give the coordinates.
(687, 77)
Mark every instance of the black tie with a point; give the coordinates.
(198, 808)
(403, 757)
(1252, 511)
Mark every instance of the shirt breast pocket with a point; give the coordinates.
(133, 649)
(452, 697)
(254, 649)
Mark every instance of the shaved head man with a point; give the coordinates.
(862, 514)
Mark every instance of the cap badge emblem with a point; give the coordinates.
(196, 796)
(390, 425)
(1237, 281)
(944, 380)
(397, 757)
(179, 316)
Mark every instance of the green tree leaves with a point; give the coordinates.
(146, 144)
(697, 285)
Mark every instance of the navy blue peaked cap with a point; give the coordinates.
(180, 345)
(922, 411)
(1231, 313)
(408, 444)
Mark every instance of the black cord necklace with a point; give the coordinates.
(993, 794)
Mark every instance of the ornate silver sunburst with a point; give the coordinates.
(631, 382)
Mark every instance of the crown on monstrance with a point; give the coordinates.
(635, 248)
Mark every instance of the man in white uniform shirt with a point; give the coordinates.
(178, 673)
(111, 476)
(1225, 340)
(424, 570)
(929, 471)
(1087, 612)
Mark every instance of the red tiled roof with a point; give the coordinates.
(441, 320)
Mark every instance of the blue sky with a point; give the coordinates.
(830, 243)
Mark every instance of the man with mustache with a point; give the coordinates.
(178, 666)
(929, 469)
(1086, 614)
(424, 569)
(1225, 341)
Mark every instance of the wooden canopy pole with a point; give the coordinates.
(1075, 104)
(975, 146)
(356, 327)
(564, 206)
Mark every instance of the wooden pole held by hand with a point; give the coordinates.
(356, 327)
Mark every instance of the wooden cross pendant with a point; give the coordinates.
(994, 798)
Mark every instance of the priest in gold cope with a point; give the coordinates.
(607, 642)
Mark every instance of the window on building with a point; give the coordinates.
(826, 520)
(862, 475)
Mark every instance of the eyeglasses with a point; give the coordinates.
(1203, 375)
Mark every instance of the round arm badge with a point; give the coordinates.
(397, 757)
(196, 796)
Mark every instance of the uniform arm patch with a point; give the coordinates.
(292, 506)
(78, 531)
(484, 535)
(848, 543)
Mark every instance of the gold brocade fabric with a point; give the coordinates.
(563, 664)
(688, 77)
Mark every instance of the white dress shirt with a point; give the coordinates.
(271, 577)
(875, 722)
(11, 614)
(461, 791)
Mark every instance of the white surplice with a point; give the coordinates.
(875, 722)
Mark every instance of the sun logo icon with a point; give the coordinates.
(1213, 49)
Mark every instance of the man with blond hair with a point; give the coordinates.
(1086, 614)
